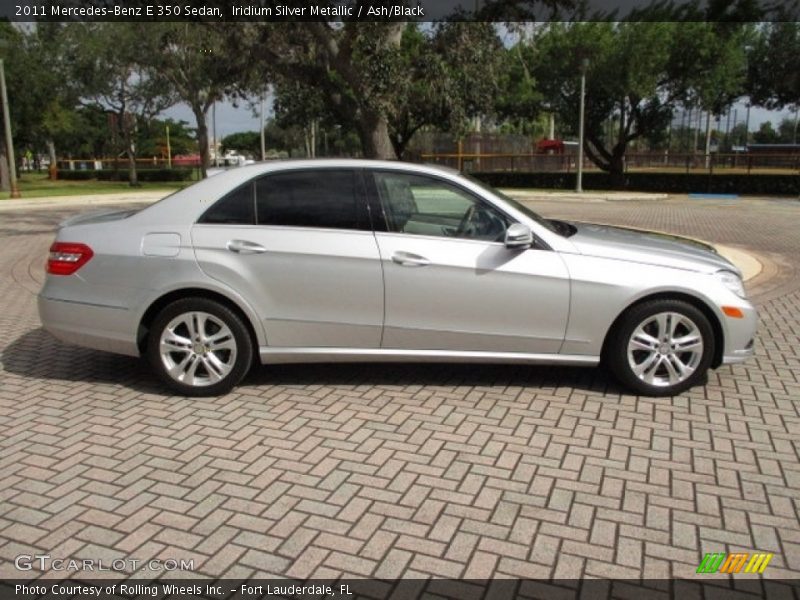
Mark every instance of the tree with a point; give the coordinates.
(766, 134)
(624, 79)
(107, 62)
(198, 64)
(42, 100)
(773, 80)
(384, 80)
(244, 142)
(638, 72)
(152, 137)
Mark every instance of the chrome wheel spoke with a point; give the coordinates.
(672, 373)
(188, 375)
(643, 367)
(173, 342)
(663, 323)
(688, 343)
(213, 368)
(178, 370)
(222, 340)
(641, 340)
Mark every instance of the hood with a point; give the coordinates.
(648, 248)
(98, 217)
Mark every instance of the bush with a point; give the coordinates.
(160, 175)
(673, 183)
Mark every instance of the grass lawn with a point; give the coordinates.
(37, 185)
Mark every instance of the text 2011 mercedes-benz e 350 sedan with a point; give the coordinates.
(356, 260)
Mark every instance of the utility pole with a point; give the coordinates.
(12, 163)
(579, 179)
(169, 151)
(214, 129)
(263, 141)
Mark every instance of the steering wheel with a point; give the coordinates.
(466, 221)
(481, 224)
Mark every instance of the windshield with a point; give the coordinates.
(517, 205)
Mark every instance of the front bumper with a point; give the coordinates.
(740, 335)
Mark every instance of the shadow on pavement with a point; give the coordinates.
(38, 355)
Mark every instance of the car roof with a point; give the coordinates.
(195, 199)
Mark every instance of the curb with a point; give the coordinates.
(48, 202)
(583, 197)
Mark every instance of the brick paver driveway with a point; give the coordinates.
(386, 471)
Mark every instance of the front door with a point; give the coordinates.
(451, 284)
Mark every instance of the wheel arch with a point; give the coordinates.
(193, 292)
(698, 303)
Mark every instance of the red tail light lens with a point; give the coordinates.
(66, 258)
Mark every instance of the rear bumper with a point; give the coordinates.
(95, 326)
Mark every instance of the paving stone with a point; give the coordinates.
(403, 470)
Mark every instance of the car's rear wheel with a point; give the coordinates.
(661, 347)
(199, 347)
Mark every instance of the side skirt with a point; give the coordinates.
(273, 355)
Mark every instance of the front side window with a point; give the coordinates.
(421, 205)
(326, 198)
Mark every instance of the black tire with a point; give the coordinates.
(659, 368)
(219, 356)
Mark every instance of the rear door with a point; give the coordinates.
(298, 245)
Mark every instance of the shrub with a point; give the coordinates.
(673, 183)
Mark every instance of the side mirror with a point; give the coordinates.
(518, 236)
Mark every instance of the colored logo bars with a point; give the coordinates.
(720, 562)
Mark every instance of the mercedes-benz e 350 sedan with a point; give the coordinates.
(356, 260)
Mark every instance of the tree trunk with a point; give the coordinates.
(51, 151)
(373, 131)
(133, 176)
(5, 178)
(616, 168)
(202, 140)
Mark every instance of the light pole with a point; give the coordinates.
(579, 180)
(12, 166)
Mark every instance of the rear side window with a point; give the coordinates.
(329, 198)
(237, 208)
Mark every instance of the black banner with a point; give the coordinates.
(704, 587)
(398, 10)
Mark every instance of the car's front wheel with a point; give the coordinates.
(199, 347)
(661, 347)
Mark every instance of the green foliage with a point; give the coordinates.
(151, 138)
(244, 142)
(41, 97)
(773, 77)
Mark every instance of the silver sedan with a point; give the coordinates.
(355, 260)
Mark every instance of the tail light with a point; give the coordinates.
(66, 258)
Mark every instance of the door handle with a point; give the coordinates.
(407, 259)
(245, 247)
